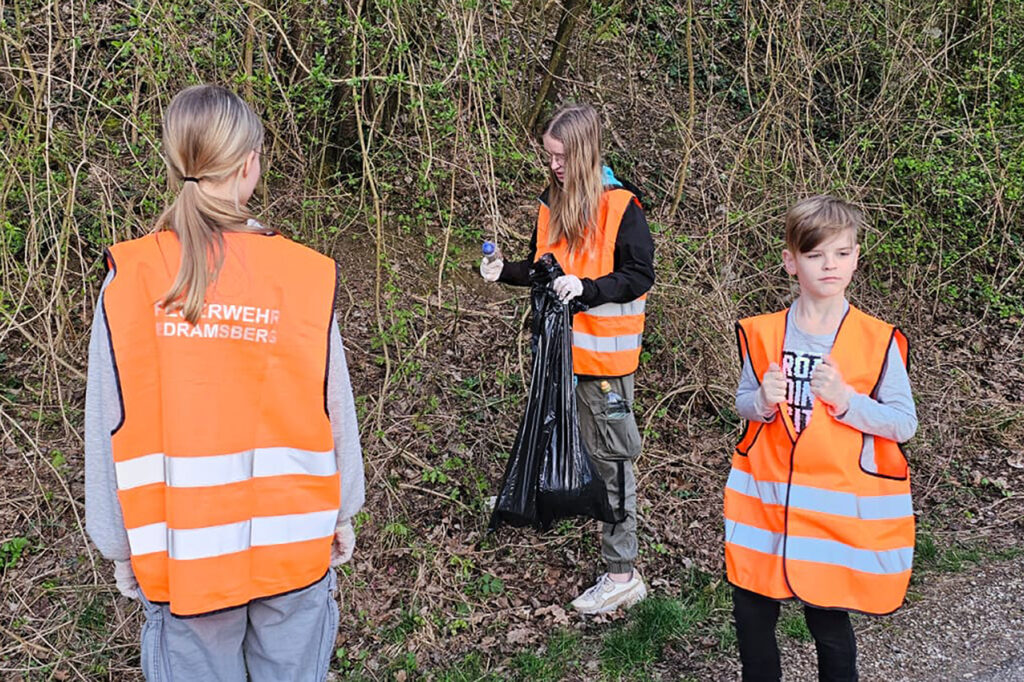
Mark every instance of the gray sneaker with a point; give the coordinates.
(606, 595)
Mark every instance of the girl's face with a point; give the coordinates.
(556, 156)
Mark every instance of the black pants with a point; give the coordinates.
(759, 652)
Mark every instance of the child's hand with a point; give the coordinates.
(567, 287)
(124, 579)
(343, 544)
(773, 386)
(828, 385)
(491, 270)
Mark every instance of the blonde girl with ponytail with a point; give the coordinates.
(212, 143)
(594, 225)
(222, 453)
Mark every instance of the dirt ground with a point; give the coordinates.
(966, 626)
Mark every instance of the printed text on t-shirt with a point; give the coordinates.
(797, 367)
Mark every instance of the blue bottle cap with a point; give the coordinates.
(488, 248)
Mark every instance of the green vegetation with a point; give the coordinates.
(653, 623)
(11, 551)
(931, 555)
(793, 624)
(558, 657)
(398, 139)
(703, 610)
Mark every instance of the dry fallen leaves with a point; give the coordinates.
(520, 636)
(556, 612)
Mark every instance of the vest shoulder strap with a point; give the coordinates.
(131, 249)
(620, 198)
(880, 329)
(760, 339)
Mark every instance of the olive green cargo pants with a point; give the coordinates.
(614, 442)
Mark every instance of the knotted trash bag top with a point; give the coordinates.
(549, 474)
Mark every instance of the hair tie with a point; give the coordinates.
(187, 179)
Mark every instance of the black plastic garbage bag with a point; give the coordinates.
(549, 474)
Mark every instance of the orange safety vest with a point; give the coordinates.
(224, 457)
(826, 515)
(606, 339)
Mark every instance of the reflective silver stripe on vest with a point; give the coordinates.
(203, 543)
(194, 472)
(884, 562)
(636, 307)
(757, 539)
(139, 471)
(606, 344)
(867, 507)
(148, 539)
(832, 552)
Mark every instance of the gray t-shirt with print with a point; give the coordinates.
(890, 414)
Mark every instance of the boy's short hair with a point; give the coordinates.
(811, 221)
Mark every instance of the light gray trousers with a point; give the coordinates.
(287, 638)
(613, 444)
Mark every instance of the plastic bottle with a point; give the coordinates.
(491, 252)
(618, 408)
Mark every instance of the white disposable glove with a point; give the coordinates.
(343, 544)
(124, 579)
(491, 270)
(567, 287)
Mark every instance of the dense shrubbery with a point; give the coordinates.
(399, 137)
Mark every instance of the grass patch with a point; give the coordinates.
(630, 651)
(408, 621)
(793, 624)
(652, 624)
(552, 662)
(472, 668)
(931, 556)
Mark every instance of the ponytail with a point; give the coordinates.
(208, 134)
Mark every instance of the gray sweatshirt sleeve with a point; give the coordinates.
(341, 407)
(103, 519)
(749, 403)
(893, 415)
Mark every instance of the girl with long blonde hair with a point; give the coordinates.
(594, 225)
(222, 454)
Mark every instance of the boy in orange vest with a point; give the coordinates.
(817, 505)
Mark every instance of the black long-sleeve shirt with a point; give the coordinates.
(633, 270)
